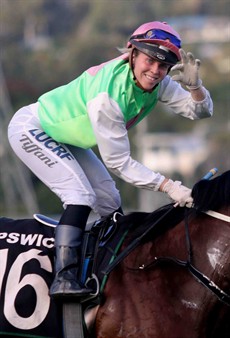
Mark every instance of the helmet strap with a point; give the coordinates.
(131, 55)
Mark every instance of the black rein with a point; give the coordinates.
(202, 278)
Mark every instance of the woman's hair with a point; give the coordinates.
(125, 50)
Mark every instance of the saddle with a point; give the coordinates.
(101, 242)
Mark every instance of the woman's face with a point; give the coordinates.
(148, 71)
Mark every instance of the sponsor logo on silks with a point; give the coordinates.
(48, 142)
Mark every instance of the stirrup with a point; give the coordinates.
(92, 295)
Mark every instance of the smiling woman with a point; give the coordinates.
(97, 108)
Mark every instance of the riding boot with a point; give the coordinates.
(68, 240)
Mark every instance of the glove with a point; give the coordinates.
(188, 71)
(178, 193)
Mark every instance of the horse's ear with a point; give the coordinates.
(201, 195)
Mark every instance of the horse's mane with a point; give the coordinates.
(213, 194)
(165, 218)
(207, 195)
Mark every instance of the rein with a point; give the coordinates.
(134, 244)
(202, 278)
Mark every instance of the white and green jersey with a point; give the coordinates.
(66, 113)
(100, 105)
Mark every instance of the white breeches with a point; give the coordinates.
(75, 175)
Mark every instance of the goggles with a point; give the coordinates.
(158, 34)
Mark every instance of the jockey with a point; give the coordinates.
(54, 136)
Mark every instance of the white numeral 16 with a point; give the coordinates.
(15, 283)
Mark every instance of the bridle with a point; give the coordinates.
(217, 215)
(199, 276)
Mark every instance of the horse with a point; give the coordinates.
(176, 282)
(171, 277)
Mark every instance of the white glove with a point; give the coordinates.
(178, 193)
(188, 71)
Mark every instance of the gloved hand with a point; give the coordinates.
(188, 71)
(178, 193)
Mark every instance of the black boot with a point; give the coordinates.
(68, 241)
